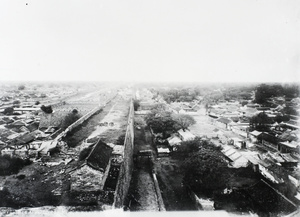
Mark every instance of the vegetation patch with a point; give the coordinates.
(11, 165)
(85, 152)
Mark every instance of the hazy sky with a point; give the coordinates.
(167, 40)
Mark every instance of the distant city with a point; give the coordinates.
(211, 148)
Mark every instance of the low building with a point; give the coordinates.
(223, 122)
(238, 143)
(186, 135)
(174, 141)
(240, 130)
(289, 161)
(268, 140)
(273, 172)
(235, 158)
(94, 182)
(163, 151)
(289, 147)
(47, 146)
(254, 135)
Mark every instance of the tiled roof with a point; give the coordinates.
(99, 157)
(224, 120)
(255, 133)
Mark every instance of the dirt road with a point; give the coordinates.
(142, 195)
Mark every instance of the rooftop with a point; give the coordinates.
(99, 157)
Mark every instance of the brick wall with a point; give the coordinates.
(127, 165)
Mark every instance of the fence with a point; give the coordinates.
(127, 165)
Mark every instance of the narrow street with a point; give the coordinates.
(142, 195)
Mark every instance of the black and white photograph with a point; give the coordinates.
(150, 107)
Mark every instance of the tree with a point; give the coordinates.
(288, 110)
(264, 92)
(244, 102)
(291, 91)
(37, 103)
(281, 118)
(16, 102)
(10, 165)
(136, 104)
(8, 111)
(187, 148)
(21, 87)
(161, 122)
(47, 109)
(70, 119)
(260, 121)
(205, 171)
(183, 120)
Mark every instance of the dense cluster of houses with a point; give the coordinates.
(26, 130)
(274, 154)
(22, 136)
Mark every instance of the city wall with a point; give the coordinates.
(127, 165)
(82, 119)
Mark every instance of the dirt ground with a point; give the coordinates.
(173, 192)
(117, 115)
(78, 135)
(142, 194)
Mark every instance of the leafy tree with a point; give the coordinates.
(70, 118)
(21, 87)
(260, 121)
(244, 102)
(205, 171)
(291, 91)
(281, 118)
(120, 140)
(290, 111)
(183, 120)
(47, 109)
(264, 92)
(179, 95)
(189, 147)
(8, 111)
(136, 104)
(161, 122)
(16, 102)
(10, 165)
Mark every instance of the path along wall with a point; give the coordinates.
(82, 119)
(127, 165)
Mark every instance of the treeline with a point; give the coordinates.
(180, 94)
(262, 121)
(238, 93)
(265, 91)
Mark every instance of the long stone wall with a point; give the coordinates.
(82, 119)
(127, 165)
